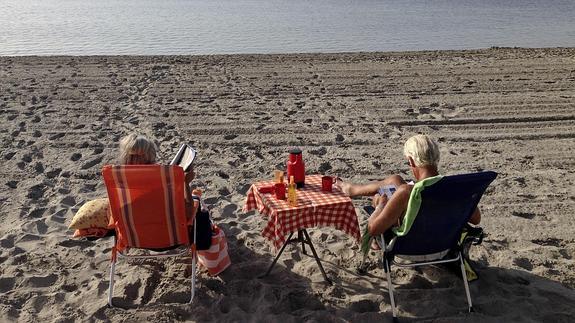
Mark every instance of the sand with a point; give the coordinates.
(507, 110)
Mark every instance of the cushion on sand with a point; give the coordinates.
(91, 233)
(93, 214)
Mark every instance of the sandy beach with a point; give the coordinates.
(502, 109)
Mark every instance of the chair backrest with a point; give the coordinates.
(147, 205)
(445, 209)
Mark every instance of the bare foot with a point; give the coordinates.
(343, 186)
(375, 245)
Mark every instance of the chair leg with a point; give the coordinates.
(193, 277)
(194, 259)
(111, 286)
(464, 276)
(390, 288)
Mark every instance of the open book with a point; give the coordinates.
(184, 157)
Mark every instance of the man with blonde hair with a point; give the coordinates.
(422, 155)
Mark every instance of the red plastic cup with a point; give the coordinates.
(326, 183)
(280, 191)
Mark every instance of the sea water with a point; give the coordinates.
(149, 27)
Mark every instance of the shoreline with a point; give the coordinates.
(393, 53)
(510, 110)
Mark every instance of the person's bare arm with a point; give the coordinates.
(190, 209)
(388, 216)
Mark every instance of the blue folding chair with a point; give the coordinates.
(446, 207)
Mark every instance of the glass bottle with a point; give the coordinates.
(292, 192)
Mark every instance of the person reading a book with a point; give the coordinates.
(139, 150)
(422, 156)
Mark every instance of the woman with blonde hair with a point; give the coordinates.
(139, 150)
(422, 156)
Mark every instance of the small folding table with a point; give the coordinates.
(315, 208)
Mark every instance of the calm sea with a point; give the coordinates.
(146, 27)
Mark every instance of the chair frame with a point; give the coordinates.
(414, 259)
(388, 261)
(118, 253)
(190, 250)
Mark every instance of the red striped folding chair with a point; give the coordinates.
(148, 212)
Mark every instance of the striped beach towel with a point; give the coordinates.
(215, 259)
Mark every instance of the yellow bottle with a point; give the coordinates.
(292, 192)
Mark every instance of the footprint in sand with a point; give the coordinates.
(40, 281)
(39, 168)
(525, 215)
(7, 242)
(318, 152)
(76, 243)
(324, 167)
(53, 172)
(27, 158)
(9, 155)
(364, 306)
(548, 242)
(224, 191)
(92, 163)
(243, 189)
(41, 226)
(523, 263)
(12, 184)
(56, 136)
(37, 213)
(36, 192)
(211, 200)
(17, 251)
(132, 290)
(6, 284)
(229, 210)
(68, 201)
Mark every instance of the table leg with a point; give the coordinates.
(300, 237)
(316, 256)
(288, 240)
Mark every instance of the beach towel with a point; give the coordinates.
(410, 214)
(216, 258)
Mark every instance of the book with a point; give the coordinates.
(184, 157)
(386, 190)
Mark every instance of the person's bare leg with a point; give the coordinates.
(368, 189)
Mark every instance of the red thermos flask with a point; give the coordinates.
(295, 167)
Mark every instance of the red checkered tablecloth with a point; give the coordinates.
(315, 208)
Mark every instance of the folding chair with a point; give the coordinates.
(446, 205)
(148, 210)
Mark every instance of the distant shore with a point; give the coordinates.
(510, 110)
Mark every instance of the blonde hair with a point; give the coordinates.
(423, 150)
(137, 148)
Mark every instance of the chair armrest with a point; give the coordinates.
(384, 246)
